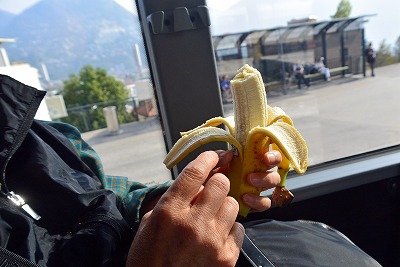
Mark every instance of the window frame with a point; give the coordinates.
(346, 173)
(183, 69)
(324, 178)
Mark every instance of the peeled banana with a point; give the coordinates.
(251, 131)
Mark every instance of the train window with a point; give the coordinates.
(348, 116)
(132, 75)
(332, 115)
(63, 48)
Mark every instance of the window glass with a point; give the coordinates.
(46, 41)
(253, 38)
(338, 118)
(318, 27)
(273, 37)
(229, 41)
(296, 33)
(228, 46)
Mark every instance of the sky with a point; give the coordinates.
(271, 13)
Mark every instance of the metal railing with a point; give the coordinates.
(91, 117)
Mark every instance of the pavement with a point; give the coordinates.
(346, 116)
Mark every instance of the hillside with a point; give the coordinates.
(65, 35)
(5, 18)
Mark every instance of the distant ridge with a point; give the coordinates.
(65, 35)
(5, 18)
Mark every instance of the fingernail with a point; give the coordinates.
(271, 157)
(222, 154)
(249, 199)
(254, 180)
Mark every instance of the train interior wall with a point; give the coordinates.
(369, 215)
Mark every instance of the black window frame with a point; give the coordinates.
(325, 178)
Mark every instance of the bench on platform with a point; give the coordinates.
(332, 71)
(271, 84)
(274, 85)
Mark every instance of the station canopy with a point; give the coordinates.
(287, 33)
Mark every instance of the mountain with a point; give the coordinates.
(5, 18)
(66, 35)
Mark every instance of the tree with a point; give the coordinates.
(384, 55)
(343, 10)
(397, 49)
(88, 93)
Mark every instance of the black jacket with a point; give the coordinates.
(80, 222)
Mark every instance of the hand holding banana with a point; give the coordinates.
(254, 126)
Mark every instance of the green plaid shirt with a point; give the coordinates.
(131, 194)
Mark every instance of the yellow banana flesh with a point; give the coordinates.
(256, 125)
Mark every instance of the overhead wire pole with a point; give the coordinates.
(343, 50)
(364, 69)
(178, 43)
(281, 55)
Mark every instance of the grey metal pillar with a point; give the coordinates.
(179, 46)
(324, 53)
(364, 69)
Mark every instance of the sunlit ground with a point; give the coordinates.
(345, 117)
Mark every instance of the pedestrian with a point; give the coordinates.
(371, 56)
(226, 89)
(298, 71)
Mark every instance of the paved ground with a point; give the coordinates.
(344, 117)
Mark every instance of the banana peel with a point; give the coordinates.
(252, 129)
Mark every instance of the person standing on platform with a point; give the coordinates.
(370, 55)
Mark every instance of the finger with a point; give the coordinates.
(144, 220)
(264, 180)
(189, 181)
(227, 214)
(257, 203)
(225, 157)
(235, 242)
(197, 195)
(272, 159)
(146, 216)
(213, 195)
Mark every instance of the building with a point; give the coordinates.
(24, 73)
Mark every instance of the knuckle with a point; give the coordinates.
(240, 228)
(193, 172)
(162, 214)
(165, 212)
(220, 182)
(146, 217)
(229, 258)
(274, 178)
(232, 204)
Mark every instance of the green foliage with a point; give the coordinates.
(343, 10)
(86, 95)
(397, 49)
(384, 55)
